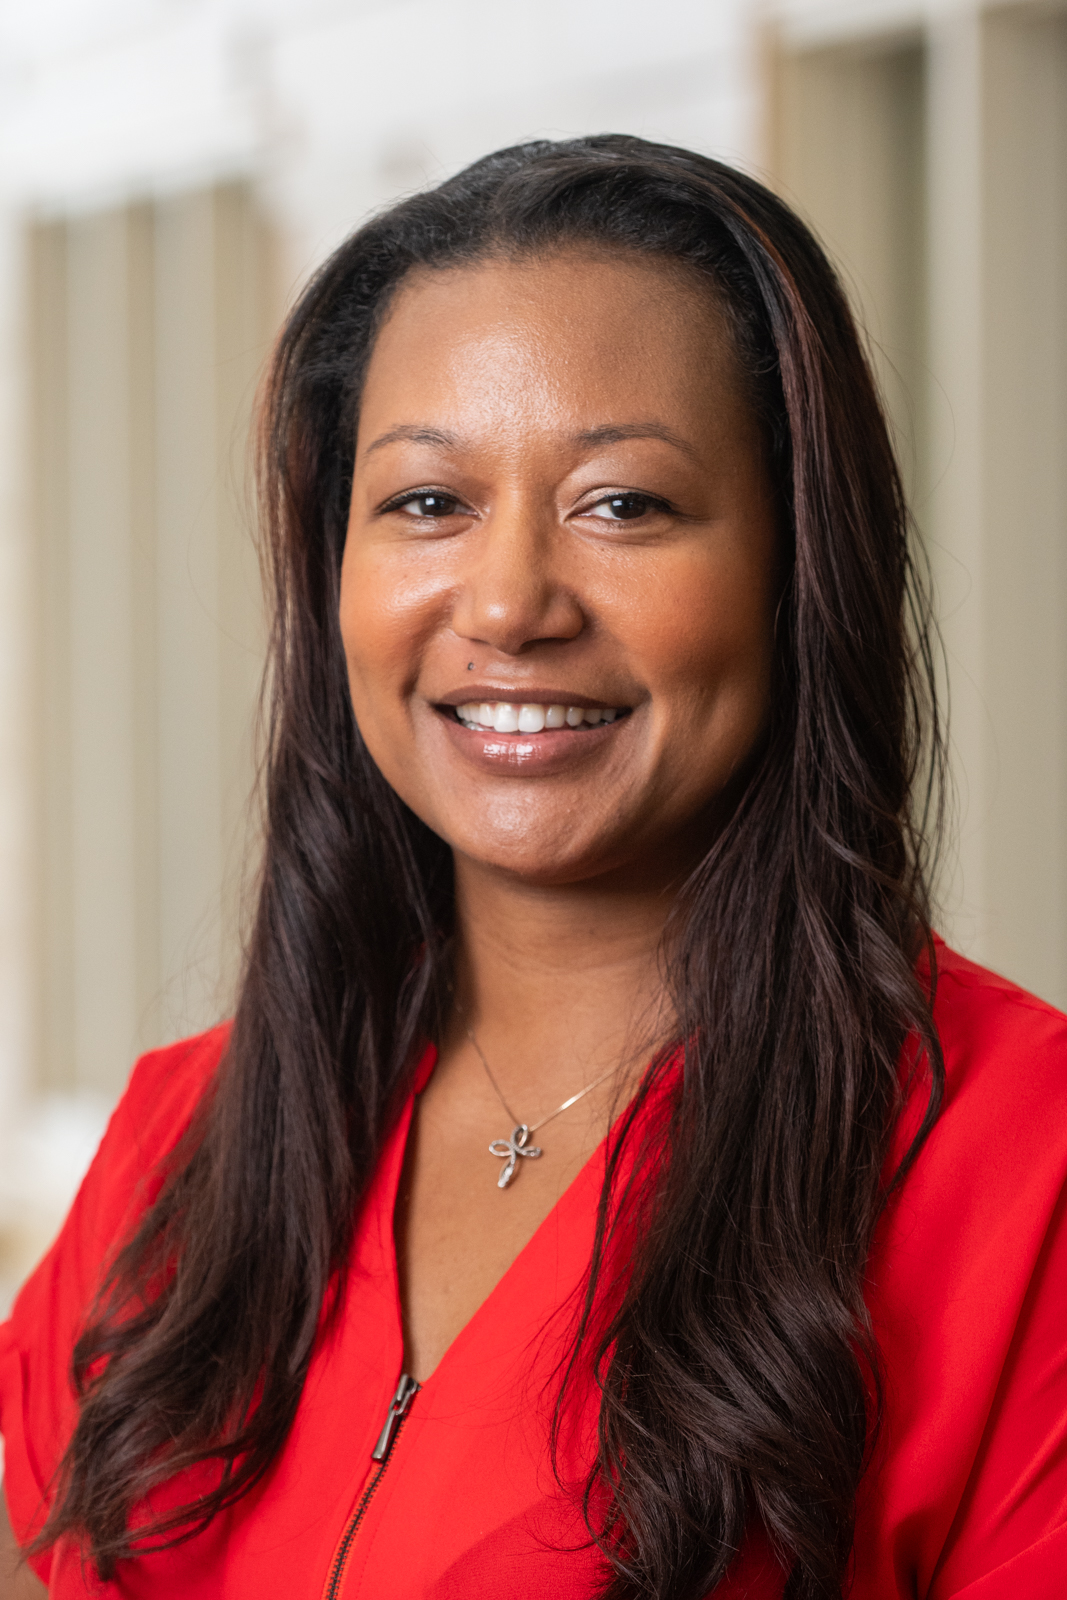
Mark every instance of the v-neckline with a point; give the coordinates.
(590, 1171)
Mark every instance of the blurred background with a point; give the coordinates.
(170, 173)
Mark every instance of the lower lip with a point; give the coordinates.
(553, 750)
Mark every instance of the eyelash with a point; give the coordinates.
(419, 494)
(652, 502)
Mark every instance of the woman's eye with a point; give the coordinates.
(625, 507)
(430, 504)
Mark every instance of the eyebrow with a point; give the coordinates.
(614, 433)
(413, 434)
(610, 433)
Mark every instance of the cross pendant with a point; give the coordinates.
(509, 1151)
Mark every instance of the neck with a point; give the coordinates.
(560, 982)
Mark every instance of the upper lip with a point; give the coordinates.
(482, 694)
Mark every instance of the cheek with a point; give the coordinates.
(387, 611)
(379, 634)
(710, 645)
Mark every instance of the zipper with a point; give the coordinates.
(399, 1405)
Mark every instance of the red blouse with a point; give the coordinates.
(967, 1287)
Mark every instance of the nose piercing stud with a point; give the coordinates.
(470, 666)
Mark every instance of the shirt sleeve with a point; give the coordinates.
(1011, 1523)
(967, 1284)
(37, 1403)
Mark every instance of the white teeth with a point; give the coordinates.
(504, 717)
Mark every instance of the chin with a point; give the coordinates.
(542, 861)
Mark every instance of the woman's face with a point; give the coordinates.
(560, 508)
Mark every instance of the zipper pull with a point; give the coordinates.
(406, 1390)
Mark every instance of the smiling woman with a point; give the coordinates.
(594, 532)
(600, 682)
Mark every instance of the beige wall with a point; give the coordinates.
(934, 166)
(849, 153)
(1019, 227)
(110, 901)
(150, 323)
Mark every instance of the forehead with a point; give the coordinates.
(575, 330)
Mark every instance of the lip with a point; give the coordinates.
(552, 751)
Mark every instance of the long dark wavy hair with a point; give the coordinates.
(738, 1372)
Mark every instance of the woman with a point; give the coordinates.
(608, 1185)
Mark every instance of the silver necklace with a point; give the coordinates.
(510, 1150)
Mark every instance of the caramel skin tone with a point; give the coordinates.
(563, 879)
(524, 395)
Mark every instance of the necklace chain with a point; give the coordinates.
(532, 1127)
(509, 1150)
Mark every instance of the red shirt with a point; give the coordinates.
(967, 1287)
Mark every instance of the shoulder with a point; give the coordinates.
(982, 1014)
(1005, 1055)
(37, 1406)
(1002, 1126)
(165, 1089)
(1005, 1088)
(965, 1288)
(161, 1097)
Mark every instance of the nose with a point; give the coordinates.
(512, 593)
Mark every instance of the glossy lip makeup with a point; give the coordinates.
(537, 731)
(558, 506)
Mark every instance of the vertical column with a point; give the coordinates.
(188, 607)
(19, 1008)
(849, 154)
(110, 623)
(142, 496)
(49, 485)
(998, 229)
(245, 317)
(1025, 488)
(210, 341)
(149, 327)
(955, 411)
